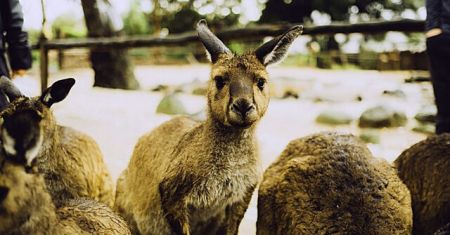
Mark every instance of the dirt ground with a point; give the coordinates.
(116, 118)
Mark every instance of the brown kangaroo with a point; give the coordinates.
(198, 177)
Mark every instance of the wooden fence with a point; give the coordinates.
(254, 32)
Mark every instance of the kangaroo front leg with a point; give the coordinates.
(235, 213)
(173, 194)
(177, 217)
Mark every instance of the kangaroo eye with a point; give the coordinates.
(220, 82)
(261, 83)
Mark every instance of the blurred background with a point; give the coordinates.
(374, 84)
(65, 19)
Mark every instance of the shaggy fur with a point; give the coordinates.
(27, 208)
(424, 168)
(189, 177)
(71, 162)
(329, 183)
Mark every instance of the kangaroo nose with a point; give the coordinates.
(242, 107)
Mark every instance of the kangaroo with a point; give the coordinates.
(424, 169)
(26, 206)
(71, 162)
(329, 183)
(198, 177)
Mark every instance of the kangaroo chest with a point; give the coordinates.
(220, 188)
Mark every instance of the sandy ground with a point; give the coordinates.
(116, 118)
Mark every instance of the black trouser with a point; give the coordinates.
(3, 67)
(438, 49)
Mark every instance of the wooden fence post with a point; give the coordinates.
(60, 52)
(43, 58)
(43, 62)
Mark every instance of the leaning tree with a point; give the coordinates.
(112, 66)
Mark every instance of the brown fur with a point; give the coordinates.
(71, 162)
(202, 169)
(424, 168)
(188, 177)
(329, 183)
(28, 209)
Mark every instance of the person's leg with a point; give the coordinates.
(3, 67)
(438, 49)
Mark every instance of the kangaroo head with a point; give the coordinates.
(27, 121)
(238, 94)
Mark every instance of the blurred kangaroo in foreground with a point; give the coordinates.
(198, 177)
(424, 168)
(330, 183)
(26, 206)
(70, 161)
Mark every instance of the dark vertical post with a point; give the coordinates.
(43, 62)
(60, 52)
(43, 58)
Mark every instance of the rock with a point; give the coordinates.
(381, 116)
(287, 87)
(200, 91)
(371, 137)
(160, 88)
(426, 114)
(334, 117)
(289, 94)
(415, 79)
(195, 87)
(395, 93)
(425, 128)
(171, 104)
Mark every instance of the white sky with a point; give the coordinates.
(54, 8)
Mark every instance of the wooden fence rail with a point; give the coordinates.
(254, 32)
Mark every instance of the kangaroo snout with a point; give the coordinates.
(242, 107)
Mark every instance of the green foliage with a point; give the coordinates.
(238, 48)
(67, 26)
(368, 59)
(289, 11)
(33, 35)
(182, 16)
(136, 21)
(399, 6)
(35, 56)
(339, 10)
(182, 21)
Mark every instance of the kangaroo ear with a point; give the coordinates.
(8, 92)
(275, 50)
(213, 45)
(57, 92)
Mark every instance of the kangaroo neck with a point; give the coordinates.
(51, 142)
(225, 145)
(218, 132)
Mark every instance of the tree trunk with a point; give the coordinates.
(113, 68)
